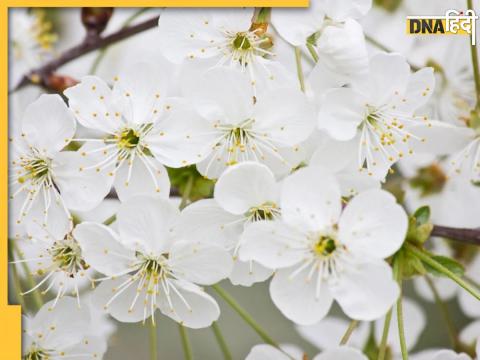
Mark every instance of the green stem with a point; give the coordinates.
(244, 315)
(382, 350)
(187, 349)
(442, 306)
(298, 60)
(102, 52)
(440, 268)
(153, 341)
(110, 220)
(476, 70)
(312, 51)
(397, 269)
(37, 296)
(351, 328)
(227, 355)
(187, 192)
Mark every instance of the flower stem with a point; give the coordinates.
(312, 51)
(110, 220)
(153, 341)
(227, 355)
(187, 192)
(351, 328)
(397, 270)
(476, 70)
(187, 349)
(442, 306)
(298, 59)
(382, 350)
(244, 315)
(440, 268)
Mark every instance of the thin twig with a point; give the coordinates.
(39, 75)
(469, 236)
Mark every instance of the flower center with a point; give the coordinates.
(325, 246)
(67, 254)
(37, 354)
(35, 169)
(128, 139)
(241, 42)
(266, 211)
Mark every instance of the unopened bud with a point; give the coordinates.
(95, 19)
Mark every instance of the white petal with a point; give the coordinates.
(296, 299)
(200, 263)
(146, 223)
(311, 198)
(102, 249)
(90, 347)
(205, 221)
(419, 90)
(467, 302)
(196, 310)
(92, 103)
(266, 352)
(214, 103)
(272, 244)
(48, 124)
(244, 186)
(82, 190)
(365, 291)
(247, 273)
(343, 352)
(142, 89)
(389, 75)
(470, 334)
(342, 9)
(142, 180)
(181, 138)
(373, 224)
(129, 305)
(341, 112)
(296, 25)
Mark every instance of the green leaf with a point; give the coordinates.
(449, 263)
(422, 215)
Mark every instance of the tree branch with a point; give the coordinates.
(469, 236)
(41, 74)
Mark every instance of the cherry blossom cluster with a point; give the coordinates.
(251, 146)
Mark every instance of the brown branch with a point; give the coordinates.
(469, 236)
(41, 74)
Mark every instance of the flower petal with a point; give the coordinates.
(311, 199)
(247, 273)
(48, 124)
(102, 249)
(343, 352)
(296, 297)
(244, 186)
(365, 291)
(373, 224)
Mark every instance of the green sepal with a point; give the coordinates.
(449, 263)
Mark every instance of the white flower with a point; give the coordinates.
(467, 160)
(62, 331)
(31, 40)
(243, 127)
(219, 37)
(339, 157)
(324, 253)
(42, 177)
(148, 267)
(245, 193)
(53, 254)
(442, 354)
(133, 116)
(379, 113)
(268, 352)
(338, 41)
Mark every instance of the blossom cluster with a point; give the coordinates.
(247, 145)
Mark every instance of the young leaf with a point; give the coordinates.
(446, 262)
